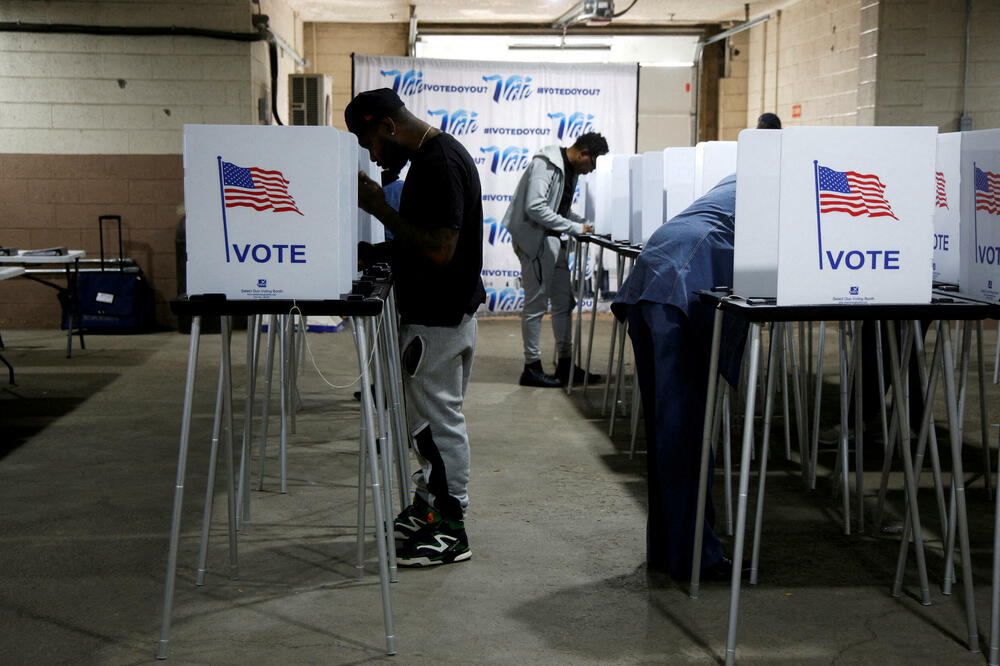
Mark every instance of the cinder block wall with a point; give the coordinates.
(921, 64)
(733, 89)
(329, 47)
(807, 56)
(91, 125)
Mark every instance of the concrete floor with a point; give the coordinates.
(557, 528)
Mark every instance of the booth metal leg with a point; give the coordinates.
(636, 406)
(741, 511)
(994, 654)
(385, 439)
(777, 336)
(360, 326)
(286, 400)
(801, 405)
(175, 522)
(983, 413)
(859, 446)
(910, 482)
(816, 403)
(576, 357)
(619, 377)
(243, 489)
(266, 399)
(614, 335)
(842, 457)
(227, 440)
(928, 386)
(398, 411)
(706, 443)
(727, 453)
(959, 485)
(593, 316)
(206, 521)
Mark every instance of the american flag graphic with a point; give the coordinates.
(852, 193)
(940, 196)
(987, 191)
(256, 188)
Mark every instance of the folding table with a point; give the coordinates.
(363, 306)
(68, 260)
(756, 312)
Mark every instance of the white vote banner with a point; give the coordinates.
(947, 208)
(755, 256)
(856, 215)
(503, 112)
(268, 215)
(980, 213)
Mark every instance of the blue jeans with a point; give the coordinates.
(671, 359)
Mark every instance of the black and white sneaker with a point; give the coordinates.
(411, 519)
(438, 542)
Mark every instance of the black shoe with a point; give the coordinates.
(439, 541)
(722, 571)
(533, 375)
(562, 373)
(411, 519)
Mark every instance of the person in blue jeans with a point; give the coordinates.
(671, 333)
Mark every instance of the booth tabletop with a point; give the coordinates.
(21, 259)
(365, 300)
(621, 247)
(943, 305)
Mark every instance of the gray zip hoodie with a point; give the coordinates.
(532, 210)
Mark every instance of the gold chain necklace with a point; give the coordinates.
(426, 132)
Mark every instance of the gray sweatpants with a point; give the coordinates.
(437, 362)
(545, 278)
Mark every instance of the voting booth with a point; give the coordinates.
(271, 211)
(980, 215)
(370, 229)
(678, 179)
(654, 195)
(713, 161)
(855, 212)
(947, 209)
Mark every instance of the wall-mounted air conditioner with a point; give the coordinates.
(309, 99)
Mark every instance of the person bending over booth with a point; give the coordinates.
(671, 333)
(539, 213)
(436, 256)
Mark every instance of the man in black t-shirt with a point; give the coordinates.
(436, 255)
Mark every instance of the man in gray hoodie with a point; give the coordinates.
(538, 215)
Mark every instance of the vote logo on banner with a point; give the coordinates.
(572, 125)
(457, 123)
(510, 89)
(405, 83)
(987, 189)
(496, 233)
(856, 194)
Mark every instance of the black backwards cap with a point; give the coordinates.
(368, 107)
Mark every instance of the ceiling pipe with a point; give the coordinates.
(697, 62)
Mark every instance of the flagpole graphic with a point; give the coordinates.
(222, 194)
(819, 230)
(975, 217)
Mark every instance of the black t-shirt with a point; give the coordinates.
(569, 185)
(441, 190)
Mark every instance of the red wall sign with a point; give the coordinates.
(796, 111)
